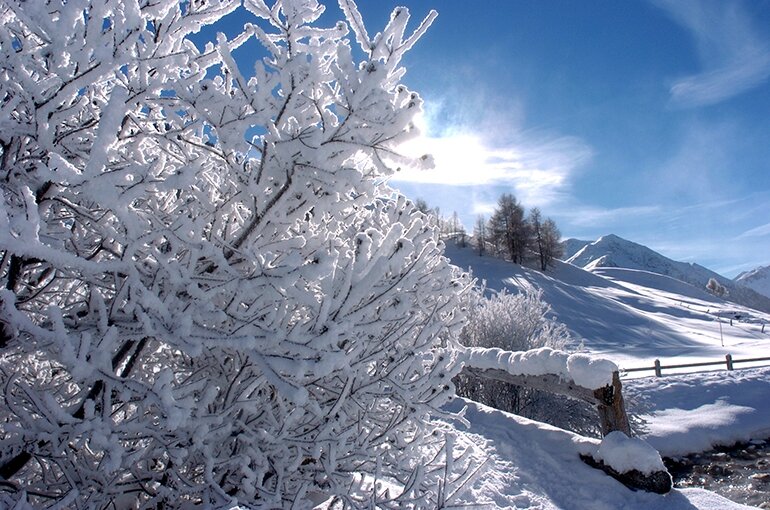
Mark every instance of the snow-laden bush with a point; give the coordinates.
(513, 322)
(209, 296)
(716, 288)
(520, 322)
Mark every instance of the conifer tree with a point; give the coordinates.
(535, 221)
(508, 229)
(552, 247)
(546, 238)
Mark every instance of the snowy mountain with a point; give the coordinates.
(757, 279)
(612, 251)
(572, 246)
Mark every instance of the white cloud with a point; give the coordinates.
(538, 169)
(735, 58)
(485, 209)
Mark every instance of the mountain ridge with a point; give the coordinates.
(571, 246)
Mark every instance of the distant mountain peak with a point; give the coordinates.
(612, 251)
(757, 279)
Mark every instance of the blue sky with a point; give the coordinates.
(649, 119)
(646, 119)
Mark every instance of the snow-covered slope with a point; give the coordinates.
(572, 246)
(757, 279)
(614, 251)
(632, 316)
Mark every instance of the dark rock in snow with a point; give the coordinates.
(659, 482)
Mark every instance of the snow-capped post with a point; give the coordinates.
(612, 408)
(194, 317)
(579, 376)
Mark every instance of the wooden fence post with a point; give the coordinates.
(612, 409)
(657, 368)
(729, 358)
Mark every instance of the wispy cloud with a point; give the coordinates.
(485, 209)
(537, 168)
(607, 218)
(734, 56)
(760, 231)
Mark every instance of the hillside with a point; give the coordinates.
(631, 316)
(757, 279)
(614, 251)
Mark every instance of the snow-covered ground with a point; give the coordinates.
(694, 412)
(631, 317)
(526, 464)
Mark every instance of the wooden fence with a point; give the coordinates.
(728, 362)
(607, 400)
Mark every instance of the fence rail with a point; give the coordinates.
(729, 362)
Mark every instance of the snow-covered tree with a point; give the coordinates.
(209, 295)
